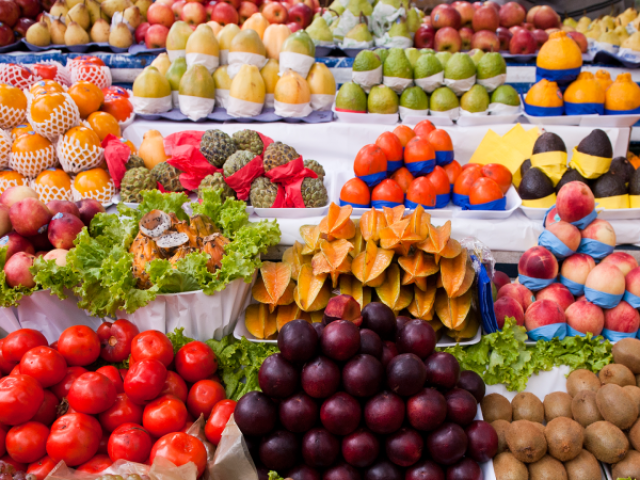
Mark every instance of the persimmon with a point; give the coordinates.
(355, 192)
(45, 86)
(484, 190)
(391, 146)
(54, 177)
(91, 181)
(403, 177)
(388, 191)
(88, 97)
(424, 128)
(418, 150)
(103, 124)
(500, 174)
(370, 160)
(422, 192)
(119, 107)
(404, 134)
(465, 180)
(452, 169)
(440, 181)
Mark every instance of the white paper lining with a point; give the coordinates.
(604, 47)
(268, 100)
(151, 106)
(175, 98)
(196, 108)
(351, 43)
(429, 84)
(210, 62)
(394, 42)
(224, 57)
(453, 114)
(296, 110)
(502, 109)
(410, 112)
(383, 16)
(175, 54)
(243, 108)
(322, 101)
(367, 79)
(238, 59)
(629, 54)
(460, 86)
(297, 62)
(398, 84)
(492, 83)
(465, 113)
(347, 21)
(222, 97)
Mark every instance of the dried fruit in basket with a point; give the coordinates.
(350, 285)
(293, 257)
(144, 250)
(274, 285)
(312, 292)
(392, 293)
(338, 223)
(260, 322)
(422, 305)
(417, 268)
(371, 222)
(333, 258)
(369, 267)
(452, 311)
(13, 106)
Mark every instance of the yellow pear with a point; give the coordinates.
(256, 22)
(226, 35)
(57, 29)
(80, 15)
(221, 78)
(203, 41)
(143, 6)
(95, 12)
(321, 80)
(162, 63)
(292, 88)
(583, 24)
(609, 37)
(38, 35)
(152, 149)
(248, 85)
(622, 33)
(609, 22)
(59, 9)
(215, 26)
(120, 36)
(274, 37)
(100, 31)
(270, 75)
(178, 35)
(248, 41)
(110, 7)
(75, 35)
(633, 42)
(151, 84)
(133, 16)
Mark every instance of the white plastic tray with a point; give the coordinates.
(572, 120)
(367, 118)
(299, 212)
(609, 121)
(473, 121)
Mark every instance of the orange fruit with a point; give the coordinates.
(391, 146)
(440, 180)
(54, 177)
(91, 181)
(88, 97)
(20, 129)
(440, 140)
(83, 135)
(29, 142)
(355, 192)
(453, 169)
(11, 178)
(404, 134)
(119, 107)
(387, 191)
(130, 144)
(466, 179)
(424, 128)
(418, 150)
(471, 165)
(484, 190)
(422, 192)
(402, 177)
(103, 124)
(43, 107)
(498, 173)
(12, 97)
(370, 160)
(45, 86)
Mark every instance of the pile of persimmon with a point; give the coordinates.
(482, 183)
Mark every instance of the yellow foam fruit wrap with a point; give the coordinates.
(623, 94)
(544, 94)
(613, 203)
(585, 89)
(589, 166)
(634, 201)
(560, 52)
(544, 202)
(553, 164)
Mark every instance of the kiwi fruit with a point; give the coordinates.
(557, 404)
(564, 438)
(526, 406)
(606, 441)
(526, 441)
(618, 374)
(508, 467)
(583, 467)
(616, 406)
(547, 468)
(584, 408)
(634, 435)
(501, 427)
(629, 467)
(634, 393)
(496, 407)
(539, 426)
(580, 380)
(627, 352)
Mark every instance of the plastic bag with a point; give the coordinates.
(232, 460)
(383, 17)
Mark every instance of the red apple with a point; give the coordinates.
(545, 18)
(493, 5)
(313, 5)
(29, 8)
(466, 11)
(486, 41)
(445, 16)
(294, 26)
(9, 13)
(160, 14)
(234, 3)
(156, 36)
(486, 18)
(177, 8)
(168, 3)
(224, 14)
(528, 26)
(427, 21)
(301, 14)
(540, 36)
(424, 37)
(141, 32)
(580, 39)
(476, 5)
(246, 10)
(504, 35)
(23, 25)
(523, 43)
(209, 8)
(275, 12)
(515, 28)
(193, 13)
(532, 13)
(466, 34)
(447, 39)
(511, 14)
(7, 37)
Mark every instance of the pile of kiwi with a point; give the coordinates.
(564, 436)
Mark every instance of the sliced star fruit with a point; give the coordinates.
(468, 329)
(293, 257)
(311, 236)
(398, 237)
(469, 277)
(423, 301)
(274, 286)
(312, 292)
(437, 326)
(286, 314)
(417, 268)
(338, 223)
(393, 215)
(369, 266)
(357, 241)
(371, 223)
(419, 222)
(333, 258)
(452, 272)
(350, 285)
(259, 321)
(439, 242)
(452, 311)
(391, 293)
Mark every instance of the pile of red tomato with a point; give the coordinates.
(53, 408)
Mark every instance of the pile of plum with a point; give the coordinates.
(340, 402)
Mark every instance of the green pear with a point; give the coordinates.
(337, 7)
(120, 36)
(412, 54)
(299, 42)
(365, 61)
(57, 30)
(38, 35)
(319, 31)
(414, 98)
(382, 100)
(491, 65)
(443, 99)
(360, 7)
(175, 73)
(476, 55)
(444, 57)
(382, 53)
(413, 20)
(397, 64)
(80, 15)
(427, 66)
(359, 33)
(475, 100)
(459, 67)
(151, 84)
(248, 41)
(197, 82)
(75, 35)
(427, 50)
(162, 63)
(400, 29)
(351, 97)
(506, 95)
(178, 35)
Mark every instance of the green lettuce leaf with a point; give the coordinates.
(178, 340)
(10, 296)
(167, 202)
(273, 475)
(229, 215)
(190, 273)
(48, 275)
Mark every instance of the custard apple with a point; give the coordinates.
(236, 161)
(217, 146)
(135, 181)
(168, 176)
(216, 181)
(315, 166)
(314, 193)
(248, 140)
(278, 154)
(263, 192)
(134, 162)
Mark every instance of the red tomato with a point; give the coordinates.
(123, 373)
(3, 434)
(92, 393)
(5, 365)
(96, 465)
(41, 468)
(20, 467)
(218, 420)
(17, 343)
(20, 399)
(44, 364)
(130, 442)
(196, 361)
(176, 386)
(180, 449)
(122, 411)
(104, 442)
(145, 381)
(62, 388)
(74, 438)
(113, 374)
(26, 443)
(164, 415)
(115, 339)
(79, 345)
(46, 72)
(54, 345)
(203, 396)
(152, 344)
(48, 410)
(15, 371)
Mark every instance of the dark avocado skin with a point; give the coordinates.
(535, 184)
(622, 167)
(597, 144)
(524, 168)
(570, 175)
(608, 185)
(549, 142)
(634, 183)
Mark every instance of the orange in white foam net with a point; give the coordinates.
(13, 106)
(5, 148)
(53, 184)
(17, 75)
(96, 184)
(31, 154)
(53, 114)
(79, 149)
(9, 179)
(96, 74)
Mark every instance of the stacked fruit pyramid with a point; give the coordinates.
(402, 260)
(365, 403)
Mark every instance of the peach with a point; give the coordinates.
(28, 216)
(500, 279)
(566, 233)
(556, 292)
(552, 217)
(541, 313)
(5, 220)
(41, 242)
(519, 293)
(581, 298)
(622, 260)
(585, 317)
(622, 318)
(63, 230)
(606, 278)
(63, 206)
(17, 270)
(342, 307)
(632, 281)
(600, 230)
(59, 255)
(575, 201)
(15, 194)
(538, 262)
(16, 243)
(577, 267)
(88, 208)
(508, 307)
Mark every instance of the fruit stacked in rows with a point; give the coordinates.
(17, 17)
(375, 402)
(612, 30)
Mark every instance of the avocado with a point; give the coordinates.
(549, 142)
(597, 144)
(535, 184)
(622, 167)
(634, 183)
(608, 185)
(524, 168)
(570, 175)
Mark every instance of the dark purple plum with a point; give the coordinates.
(320, 377)
(361, 448)
(378, 317)
(263, 472)
(416, 337)
(279, 450)
(472, 383)
(298, 413)
(401, 322)
(383, 470)
(425, 470)
(465, 469)
(342, 471)
(255, 414)
(340, 340)
(384, 413)
(277, 377)
(298, 341)
(320, 449)
(461, 406)
(340, 414)
(483, 441)
(447, 443)
(406, 374)
(370, 343)
(318, 327)
(443, 370)
(404, 448)
(303, 472)
(427, 410)
(253, 445)
(389, 350)
(362, 376)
